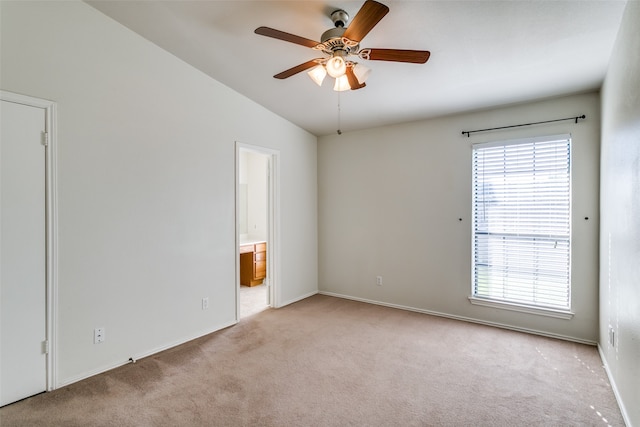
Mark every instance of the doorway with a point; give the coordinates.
(256, 231)
(27, 233)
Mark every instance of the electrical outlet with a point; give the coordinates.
(205, 303)
(379, 280)
(612, 336)
(98, 335)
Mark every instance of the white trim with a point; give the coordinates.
(614, 387)
(464, 319)
(273, 222)
(273, 262)
(540, 311)
(137, 357)
(25, 99)
(51, 237)
(236, 180)
(517, 141)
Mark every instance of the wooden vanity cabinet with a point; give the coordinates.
(253, 264)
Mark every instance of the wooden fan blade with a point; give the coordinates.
(397, 55)
(297, 69)
(281, 35)
(353, 80)
(367, 17)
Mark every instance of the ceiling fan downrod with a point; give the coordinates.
(339, 18)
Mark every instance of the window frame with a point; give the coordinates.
(545, 310)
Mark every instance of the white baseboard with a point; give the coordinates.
(138, 356)
(623, 410)
(463, 318)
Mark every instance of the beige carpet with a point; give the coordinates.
(330, 362)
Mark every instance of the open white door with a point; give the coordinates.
(23, 257)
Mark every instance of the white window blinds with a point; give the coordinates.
(521, 222)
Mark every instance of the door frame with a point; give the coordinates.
(51, 227)
(273, 222)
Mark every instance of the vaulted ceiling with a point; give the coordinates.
(483, 53)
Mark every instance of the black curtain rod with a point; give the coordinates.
(469, 132)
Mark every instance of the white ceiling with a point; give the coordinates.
(483, 53)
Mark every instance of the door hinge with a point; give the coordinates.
(45, 139)
(45, 347)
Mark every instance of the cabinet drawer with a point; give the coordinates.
(261, 247)
(260, 256)
(261, 269)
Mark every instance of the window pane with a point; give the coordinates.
(521, 219)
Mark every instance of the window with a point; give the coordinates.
(521, 224)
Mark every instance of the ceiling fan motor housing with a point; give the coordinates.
(333, 42)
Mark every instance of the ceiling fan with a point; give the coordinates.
(340, 44)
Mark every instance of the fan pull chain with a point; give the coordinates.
(339, 111)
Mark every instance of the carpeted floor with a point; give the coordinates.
(326, 361)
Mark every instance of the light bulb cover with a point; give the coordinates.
(342, 84)
(361, 72)
(336, 67)
(317, 74)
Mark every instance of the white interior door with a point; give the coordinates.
(23, 361)
(269, 214)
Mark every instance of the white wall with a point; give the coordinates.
(390, 200)
(146, 173)
(620, 215)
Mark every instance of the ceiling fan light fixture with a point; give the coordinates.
(362, 72)
(317, 74)
(339, 43)
(342, 84)
(336, 67)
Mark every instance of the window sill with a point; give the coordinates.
(549, 312)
